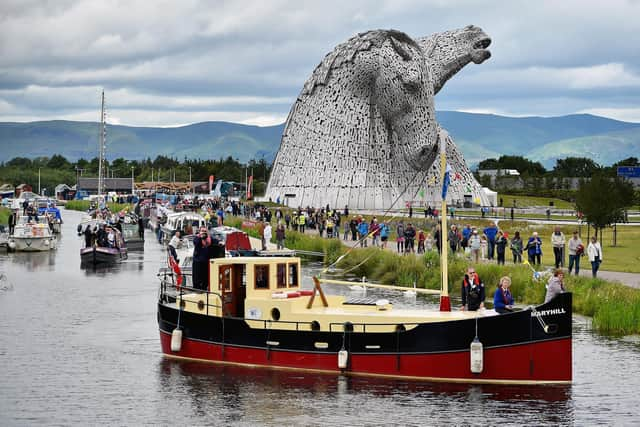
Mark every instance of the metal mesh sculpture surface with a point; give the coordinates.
(363, 131)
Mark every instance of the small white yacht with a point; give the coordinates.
(32, 235)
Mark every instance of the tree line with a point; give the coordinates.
(570, 167)
(57, 169)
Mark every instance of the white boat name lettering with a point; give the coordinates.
(548, 312)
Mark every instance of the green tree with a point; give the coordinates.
(525, 166)
(603, 200)
(21, 162)
(575, 167)
(58, 162)
(489, 164)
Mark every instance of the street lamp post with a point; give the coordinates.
(190, 185)
(132, 182)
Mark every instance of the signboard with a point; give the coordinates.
(629, 171)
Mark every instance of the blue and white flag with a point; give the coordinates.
(445, 181)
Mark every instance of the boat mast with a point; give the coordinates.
(101, 148)
(445, 302)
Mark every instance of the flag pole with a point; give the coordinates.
(445, 301)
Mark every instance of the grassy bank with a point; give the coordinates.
(83, 205)
(615, 308)
(4, 215)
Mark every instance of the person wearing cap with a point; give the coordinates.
(472, 291)
(199, 270)
(534, 248)
(576, 250)
(474, 245)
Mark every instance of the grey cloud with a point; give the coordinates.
(268, 49)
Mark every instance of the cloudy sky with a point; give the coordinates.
(168, 63)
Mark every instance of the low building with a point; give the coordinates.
(117, 185)
(64, 192)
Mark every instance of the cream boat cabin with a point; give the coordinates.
(268, 289)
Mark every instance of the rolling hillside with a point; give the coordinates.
(480, 136)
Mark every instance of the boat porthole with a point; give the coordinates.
(400, 328)
(183, 303)
(200, 305)
(275, 314)
(315, 325)
(348, 327)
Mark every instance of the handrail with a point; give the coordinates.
(381, 286)
(364, 325)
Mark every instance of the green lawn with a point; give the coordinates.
(530, 201)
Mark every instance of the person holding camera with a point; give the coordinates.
(199, 270)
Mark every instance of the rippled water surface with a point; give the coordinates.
(81, 347)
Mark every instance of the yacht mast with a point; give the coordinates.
(101, 147)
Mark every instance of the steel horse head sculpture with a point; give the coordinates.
(363, 131)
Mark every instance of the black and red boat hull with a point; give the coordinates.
(518, 348)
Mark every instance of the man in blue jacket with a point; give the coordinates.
(491, 232)
(363, 230)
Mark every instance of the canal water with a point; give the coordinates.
(80, 347)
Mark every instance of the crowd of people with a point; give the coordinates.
(474, 243)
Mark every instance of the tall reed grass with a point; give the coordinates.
(4, 215)
(83, 205)
(615, 308)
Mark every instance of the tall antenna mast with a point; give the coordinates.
(102, 147)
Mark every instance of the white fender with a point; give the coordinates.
(343, 358)
(176, 340)
(476, 356)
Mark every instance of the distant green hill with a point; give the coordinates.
(80, 140)
(480, 136)
(604, 149)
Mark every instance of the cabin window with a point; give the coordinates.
(281, 275)
(224, 278)
(293, 275)
(261, 276)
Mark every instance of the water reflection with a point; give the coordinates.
(130, 265)
(245, 392)
(34, 260)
